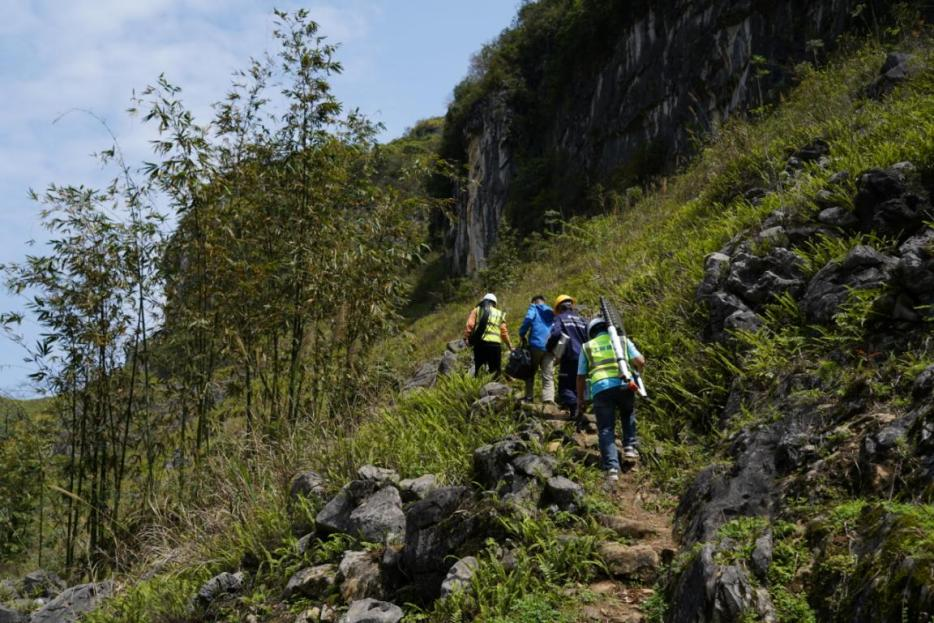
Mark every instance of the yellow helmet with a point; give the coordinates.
(561, 299)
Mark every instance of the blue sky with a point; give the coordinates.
(401, 60)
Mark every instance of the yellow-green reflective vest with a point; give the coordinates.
(497, 317)
(601, 360)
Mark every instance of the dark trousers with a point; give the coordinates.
(606, 405)
(487, 354)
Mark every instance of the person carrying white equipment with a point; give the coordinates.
(607, 361)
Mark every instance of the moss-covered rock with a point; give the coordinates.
(875, 563)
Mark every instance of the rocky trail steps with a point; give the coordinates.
(414, 541)
(520, 477)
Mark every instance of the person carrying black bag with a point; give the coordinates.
(535, 329)
(486, 332)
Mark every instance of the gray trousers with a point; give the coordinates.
(545, 361)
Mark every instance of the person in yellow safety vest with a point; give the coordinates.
(486, 331)
(598, 365)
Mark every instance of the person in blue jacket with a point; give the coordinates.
(535, 329)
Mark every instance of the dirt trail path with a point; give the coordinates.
(643, 522)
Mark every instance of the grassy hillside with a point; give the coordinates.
(649, 258)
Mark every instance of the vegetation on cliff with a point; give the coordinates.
(281, 345)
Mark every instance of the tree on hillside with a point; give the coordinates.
(289, 261)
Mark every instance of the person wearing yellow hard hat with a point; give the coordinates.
(568, 334)
(486, 332)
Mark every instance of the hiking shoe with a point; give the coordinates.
(612, 475)
(630, 453)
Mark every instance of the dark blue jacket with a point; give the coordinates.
(537, 325)
(575, 328)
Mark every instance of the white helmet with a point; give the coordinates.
(597, 321)
(489, 296)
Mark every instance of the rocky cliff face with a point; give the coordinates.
(481, 202)
(817, 483)
(677, 71)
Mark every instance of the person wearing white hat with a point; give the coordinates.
(486, 331)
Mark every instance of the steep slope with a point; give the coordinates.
(778, 287)
(811, 403)
(581, 100)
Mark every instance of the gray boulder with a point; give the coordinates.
(825, 199)
(755, 195)
(564, 493)
(372, 611)
(425, 376)
(413, 489)
(757, 280)
(521, 493)
(535, 465)
(437, 528)
(306, 488)
(716, 268)
(532, 431)
(862, 268)
(459, 575)
(884, 203)
(895, 70)
(495, 389)
(391, 566)
(813, 151)
(838, 178)
(742, 320)
(725, 306)
(335, 516)
(73, 602)
(492, 462)
(380, 475)
(221, 585)
(486, 404)
(311, 582)
(309, 485)
(42, 583)
(838, 217)
(746, 489)
(734, 595)
(795, 449)
(880, 452)
(761, 558)
(379, 516)
(305, 543)
(360, 575)
(924, 383)
(8, 615)
(695, 588)
(705, 591)
(629, 561)
(773, 236)
(915, 268)
(456, 346)
(448, 364)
